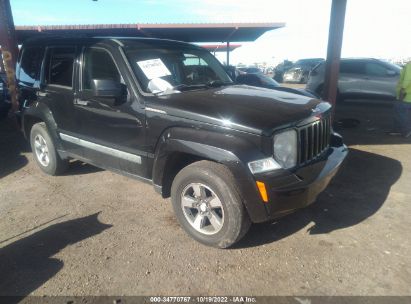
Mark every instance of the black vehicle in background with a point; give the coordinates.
(233, 72)
(166, 113)
(263, 81)
(300, 70)
(280, 69)
(5, 104)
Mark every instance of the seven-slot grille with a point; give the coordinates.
(314, 139)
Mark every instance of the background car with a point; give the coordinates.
(280, 69)
(233, 72)
(250, 70)
(300, 70)
(360, 78)
(263, 81)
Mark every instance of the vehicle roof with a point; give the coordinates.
(138, 42)
(356, 59)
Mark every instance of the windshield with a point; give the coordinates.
(392, 66)
(182, 69)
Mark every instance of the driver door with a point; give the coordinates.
(112, 133)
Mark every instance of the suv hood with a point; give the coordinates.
(241, 107)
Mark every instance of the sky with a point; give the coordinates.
(380, 29)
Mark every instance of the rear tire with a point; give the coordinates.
(208, 205)
(44, 151)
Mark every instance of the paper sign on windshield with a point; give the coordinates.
(153, 68)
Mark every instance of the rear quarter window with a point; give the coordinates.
(30, 65)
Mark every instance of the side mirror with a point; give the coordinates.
(107, 88)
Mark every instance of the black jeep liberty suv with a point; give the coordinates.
(166, 113)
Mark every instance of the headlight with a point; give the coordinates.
(285, 148)
(263, 165)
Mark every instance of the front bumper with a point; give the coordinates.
(288, 191)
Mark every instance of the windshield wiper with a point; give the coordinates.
(186, 87)
(210, 84)
(218, 83)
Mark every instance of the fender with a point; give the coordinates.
(40, 111)
(232, 151)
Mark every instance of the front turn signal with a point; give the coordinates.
(263, 191)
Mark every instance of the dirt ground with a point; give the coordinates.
(92, 232)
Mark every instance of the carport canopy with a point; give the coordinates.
(189, 32)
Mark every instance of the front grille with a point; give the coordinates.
(314, 139)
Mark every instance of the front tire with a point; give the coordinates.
(208, 205)
(44, 151)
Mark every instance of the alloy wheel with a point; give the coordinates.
(202, 208)
(42, 151)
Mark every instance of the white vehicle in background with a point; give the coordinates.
(359, 78)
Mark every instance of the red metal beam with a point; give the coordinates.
(9, 49)
(335, 37)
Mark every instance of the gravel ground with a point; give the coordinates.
(92, 232)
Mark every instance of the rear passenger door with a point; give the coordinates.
(28, 74)
(58, 91)
(351, 78)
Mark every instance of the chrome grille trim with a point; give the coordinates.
(313, 140)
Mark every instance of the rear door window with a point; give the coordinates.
(30, 65)
(60, 65)
(352, 67)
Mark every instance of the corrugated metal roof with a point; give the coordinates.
(190, 32)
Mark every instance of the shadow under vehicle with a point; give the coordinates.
(28, 263)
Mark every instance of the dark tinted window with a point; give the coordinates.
(352, 67)
(375, 69)
(60, 66)
(30, 65)
(98, 64)
(265, 80)
(249, 79)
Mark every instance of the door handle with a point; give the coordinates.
(81, 102)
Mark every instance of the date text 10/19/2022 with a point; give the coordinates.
(203, 299)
